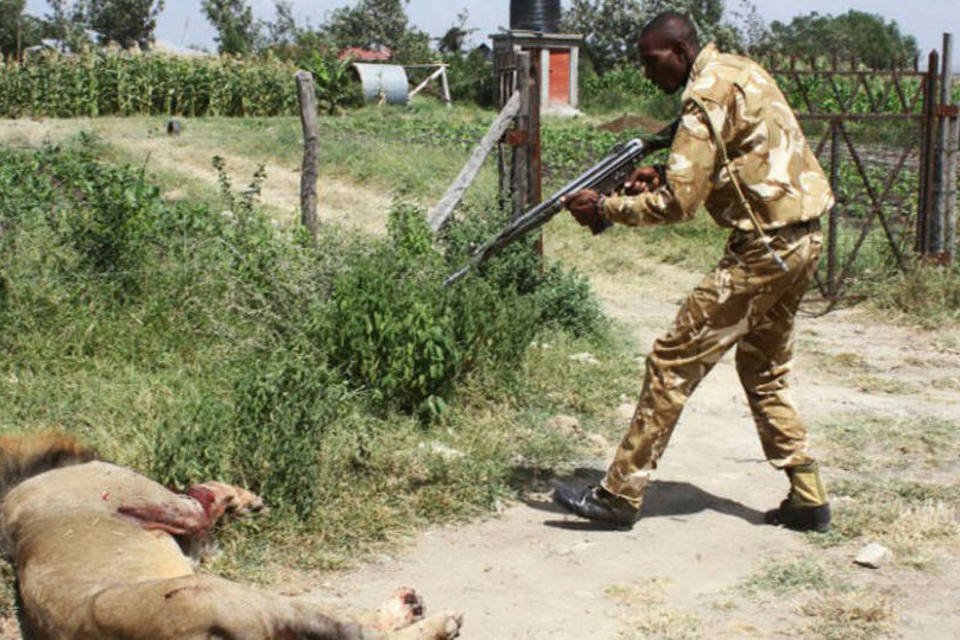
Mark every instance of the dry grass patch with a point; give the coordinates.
(849, 615)
(788, 575)
(946, 384)
(871, 444)
(893, 481)
(913, 532)
(890, 386)
(846, 361)
(827, 594)
(645, 614)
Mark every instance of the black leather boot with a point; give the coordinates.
(596, 503)
(807, 507)
(800, 517)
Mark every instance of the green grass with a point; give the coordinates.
(873, 443)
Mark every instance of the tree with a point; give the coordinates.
(126, 22)
(11, 21)
(233, 19)
(67, 23)
(754, 34)
(611, 28)
(379, 24)
(452, 41)
(284, 30)
(866, 37)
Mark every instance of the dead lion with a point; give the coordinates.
(98, 556)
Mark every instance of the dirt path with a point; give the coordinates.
(532, 573)
(188, 158)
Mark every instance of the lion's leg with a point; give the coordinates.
(195, 512)
(401, 618)
(219, 499)
(178, 515)
(440, 626)
(402, 609)
(201, 607)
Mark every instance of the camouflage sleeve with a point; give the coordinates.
(689, 172)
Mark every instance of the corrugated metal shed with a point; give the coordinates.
(386, 80)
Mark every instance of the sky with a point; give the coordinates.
(182, 22)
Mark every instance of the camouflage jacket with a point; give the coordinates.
(768, 153)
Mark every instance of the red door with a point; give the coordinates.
(560, 76)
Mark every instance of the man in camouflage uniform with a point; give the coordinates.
(740, 153)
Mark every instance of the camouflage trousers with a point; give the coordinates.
(747, 301)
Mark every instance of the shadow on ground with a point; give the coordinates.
(664, 498)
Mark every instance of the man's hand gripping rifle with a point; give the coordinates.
(605, 176)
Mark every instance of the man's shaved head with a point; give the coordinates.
(668, 46)
(669, 27)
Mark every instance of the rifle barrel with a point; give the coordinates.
(621, 155)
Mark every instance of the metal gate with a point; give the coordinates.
(873, 133)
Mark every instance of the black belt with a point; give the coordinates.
(813, 224)
(804, 226)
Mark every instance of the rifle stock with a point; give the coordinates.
(608, 174)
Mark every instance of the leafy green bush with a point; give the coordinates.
(335, 82)
(562, 298)
(109, 230)
(194, 443)
(284, 404)
(567, 302)
(471, 78)
(626, 88)
(386, 327)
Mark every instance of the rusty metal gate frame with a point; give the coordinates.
(911, 105)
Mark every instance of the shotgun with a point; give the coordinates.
(605, 176)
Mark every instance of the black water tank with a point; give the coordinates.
(535, 15)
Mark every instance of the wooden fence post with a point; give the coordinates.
(441, 212)
(308, 171)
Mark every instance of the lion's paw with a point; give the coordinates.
(245, 502)
(440, 626)
(219, 498)
(403, 608)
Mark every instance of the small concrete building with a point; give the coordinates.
(557, 56)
